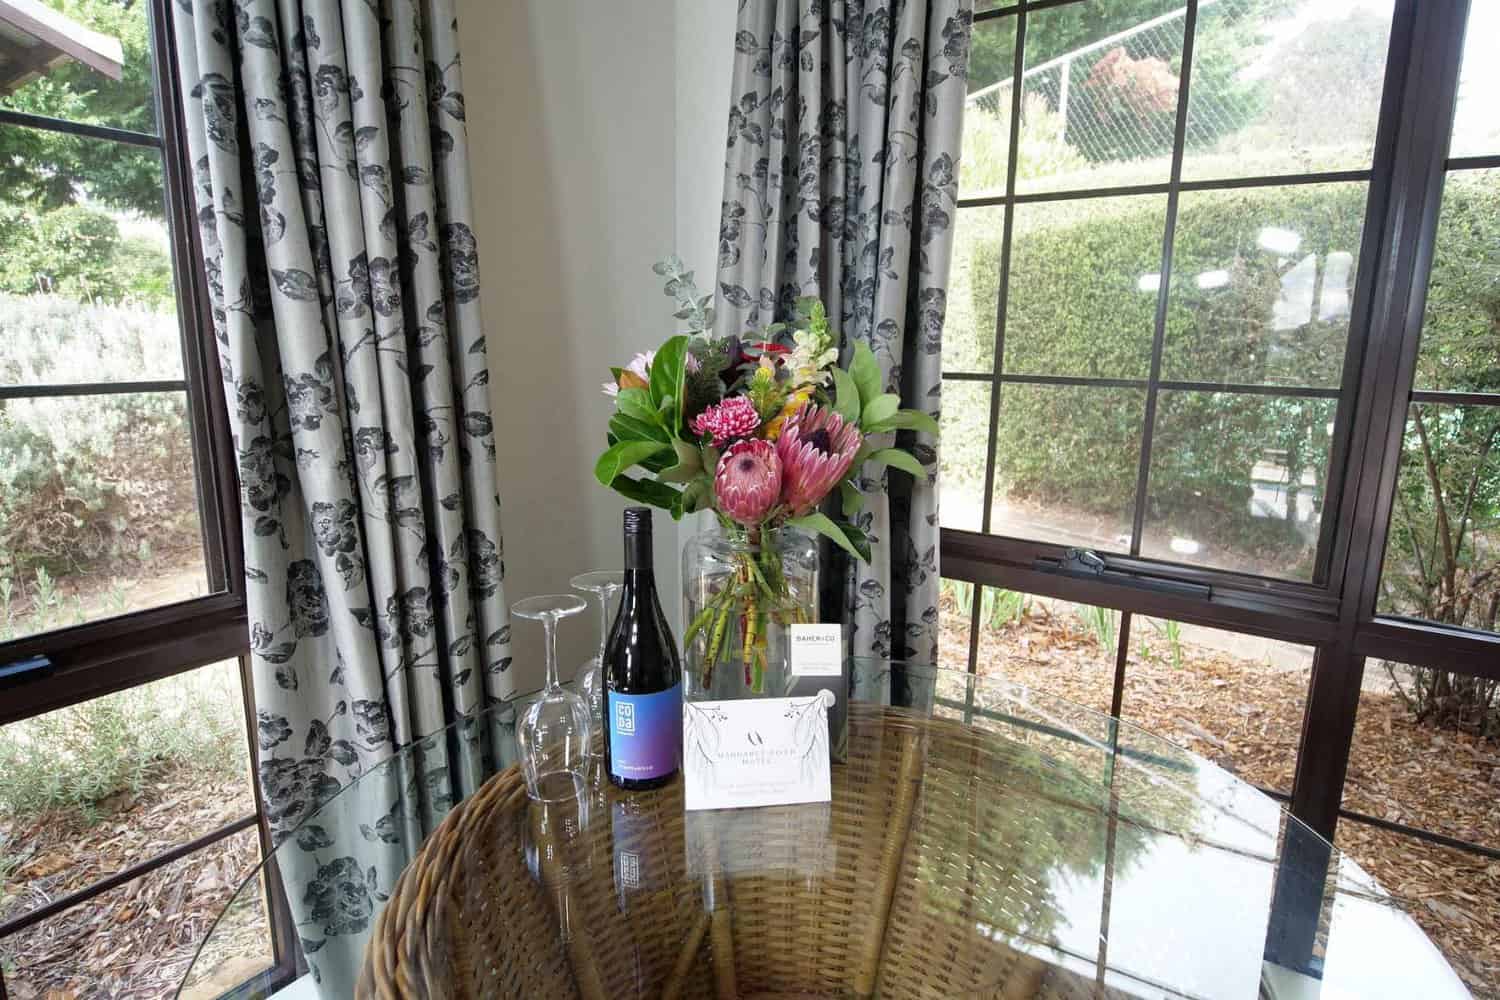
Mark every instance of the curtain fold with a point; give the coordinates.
(329, 159)
(840, 182)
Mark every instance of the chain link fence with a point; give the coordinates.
(1116, 99)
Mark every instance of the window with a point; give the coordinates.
(121, 580)
(1219, 373)
(1158, 292)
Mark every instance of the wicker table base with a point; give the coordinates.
(510, 898)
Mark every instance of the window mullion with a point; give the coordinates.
(1163, 291)
(1018, 68)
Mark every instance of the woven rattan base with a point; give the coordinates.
(885, 896)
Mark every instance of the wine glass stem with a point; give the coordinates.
(549, 633)
(604, 603)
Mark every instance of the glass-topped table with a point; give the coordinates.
(983, 840)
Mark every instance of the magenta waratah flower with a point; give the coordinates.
(816, 449)
(747, 482)
(733, 418)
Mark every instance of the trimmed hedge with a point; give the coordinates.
(1261, 287)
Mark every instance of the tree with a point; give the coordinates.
(1443, 563)
(49, 169)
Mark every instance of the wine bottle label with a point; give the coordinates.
(645, 733)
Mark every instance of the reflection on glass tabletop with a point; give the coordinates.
(983, 839)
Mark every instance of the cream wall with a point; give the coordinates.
(596, 134)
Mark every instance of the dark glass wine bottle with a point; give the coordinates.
(642, 674)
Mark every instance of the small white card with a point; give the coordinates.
(817, 650)
(756, 752)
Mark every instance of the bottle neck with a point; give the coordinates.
(638, 556)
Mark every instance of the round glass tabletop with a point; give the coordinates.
(983, 839)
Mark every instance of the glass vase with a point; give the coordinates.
(742, 590)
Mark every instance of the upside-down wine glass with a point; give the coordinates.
(554, 732)
(604, 584)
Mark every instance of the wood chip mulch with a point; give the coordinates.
(135, 941)
(1247, 716)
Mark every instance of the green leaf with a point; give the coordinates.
(866, 372)
(636, 403)
(904, 420)
(896, 458)
(648, 492)
(880, 408)
(857, 538)
(667, 370)
(622, 456)
(696, 495)
(659, 463)
(689, 463)
(630, 429)
(845, 396)
(852, 498)
(828, 529)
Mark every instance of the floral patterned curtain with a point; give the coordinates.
(329, 163)
(840, 182)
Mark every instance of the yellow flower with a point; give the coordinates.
(797, 401)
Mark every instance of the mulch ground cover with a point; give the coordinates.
(137, 940)
(1246, 715)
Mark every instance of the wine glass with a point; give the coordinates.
(554, 732)
(605, 584)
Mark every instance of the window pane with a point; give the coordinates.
(955, 608)
(104, 80)
(1450, 893)
(1425, 742)
(1237, 481)
(986, 141)
(1261, 284)
(1066, 461)
(1460, 349)
(1099, 96)
(966, 434)
(1285, 88)
(86, 290)
(98, 510)
(1236, 699)
(137, 940)
(1053, 647)
(235, 948)
(96, 787)
(1476, 124)
(973, 291)
(1083, 287)
(1443, 554)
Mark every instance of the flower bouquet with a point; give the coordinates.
(761, 430)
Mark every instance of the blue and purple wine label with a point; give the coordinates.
(645, 733)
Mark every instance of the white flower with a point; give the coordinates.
(812, 354)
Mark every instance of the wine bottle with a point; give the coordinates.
(642, 674)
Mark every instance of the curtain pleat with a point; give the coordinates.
(330, 169)
(840, 182)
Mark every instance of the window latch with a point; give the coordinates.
(1090, 565)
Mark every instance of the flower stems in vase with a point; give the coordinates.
(754, 596)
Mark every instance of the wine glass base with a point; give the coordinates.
(558, 786)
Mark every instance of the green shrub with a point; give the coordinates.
(76, 757)
(77, 251)
(87, 477)
(1082, 302)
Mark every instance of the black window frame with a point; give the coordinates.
(103, 656)
(1336, 612)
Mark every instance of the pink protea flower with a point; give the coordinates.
(733, 418)
(816, 448)
(747, 481)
